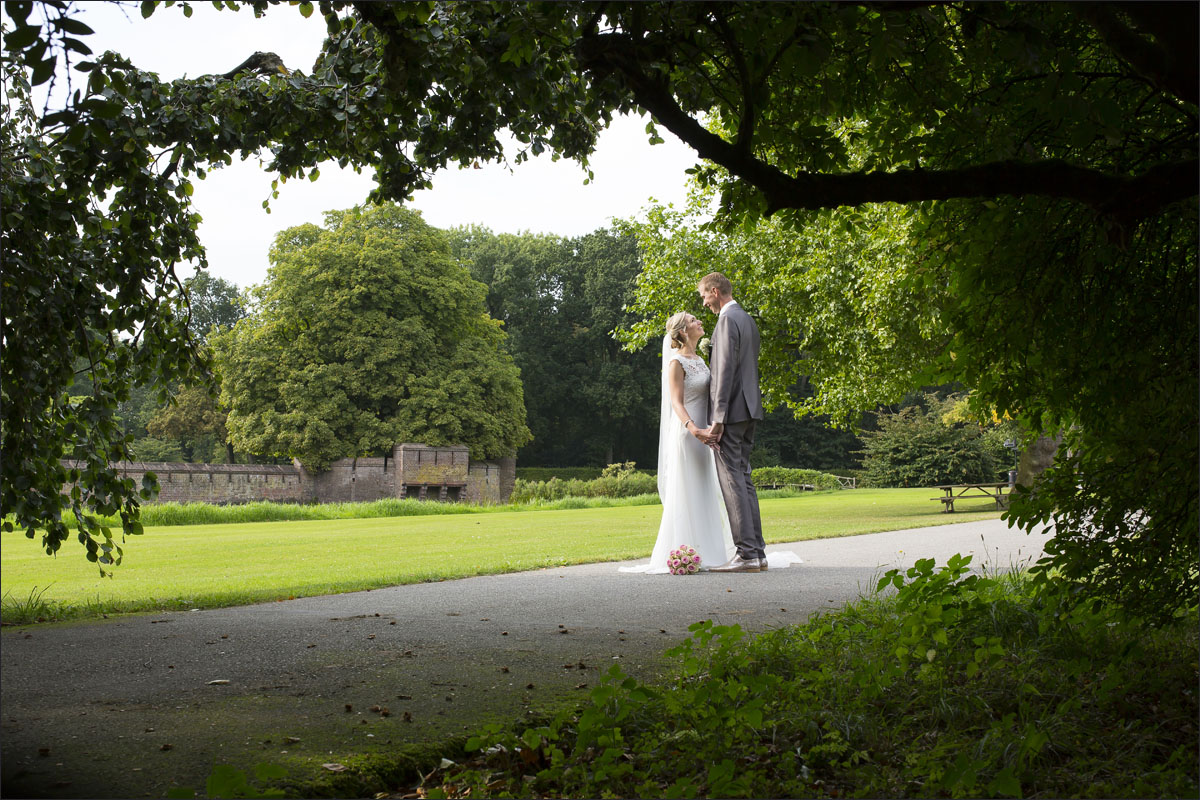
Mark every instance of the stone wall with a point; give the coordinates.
(413, 470)
(354, 480)
(222, 484)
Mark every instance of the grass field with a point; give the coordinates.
(207, 566)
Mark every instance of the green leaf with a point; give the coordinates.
(22, 37)
(269, 772)
(43, 71)
(75, 26)
(1005, 784)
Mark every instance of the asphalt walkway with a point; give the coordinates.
(131, 707)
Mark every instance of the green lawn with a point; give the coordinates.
(206, 566)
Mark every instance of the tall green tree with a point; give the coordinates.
(588, 401)
(214, 305)
(367, 332)
(193, 424)
(620, 389)
(190, 426)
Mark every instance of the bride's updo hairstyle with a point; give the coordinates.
(677, 330)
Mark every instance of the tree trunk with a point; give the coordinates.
(1036, 459)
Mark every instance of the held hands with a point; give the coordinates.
(710, 436)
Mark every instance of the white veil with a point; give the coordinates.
(666, 417)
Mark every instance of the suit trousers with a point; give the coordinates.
(741, 499)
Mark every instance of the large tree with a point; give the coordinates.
(191, 423)
(588, 401)
(1049, 147)
(366, 333)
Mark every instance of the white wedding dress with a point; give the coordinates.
(693, 510)
(693, 507)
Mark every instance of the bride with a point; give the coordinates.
(693, 509)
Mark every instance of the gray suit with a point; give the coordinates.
(735, 401)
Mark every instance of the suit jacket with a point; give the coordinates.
(734, 394)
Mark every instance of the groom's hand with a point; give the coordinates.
(714, 431)
(706, 435)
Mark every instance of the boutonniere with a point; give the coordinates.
(704, 345)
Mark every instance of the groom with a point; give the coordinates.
(735, 407)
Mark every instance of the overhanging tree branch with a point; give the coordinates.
(1174, 72)
(1119, 195)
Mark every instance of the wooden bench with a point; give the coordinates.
(967, 491)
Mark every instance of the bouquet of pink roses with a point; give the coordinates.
(684, 561)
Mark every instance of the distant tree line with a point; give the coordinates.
(588, 402)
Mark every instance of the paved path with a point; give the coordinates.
(130, 707)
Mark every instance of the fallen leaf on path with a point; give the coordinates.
(335, 767)
(220, 682)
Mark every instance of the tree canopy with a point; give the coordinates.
(588, 401)
(367, 333)
(1046, 154)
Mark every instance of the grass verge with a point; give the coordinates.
(207, 566)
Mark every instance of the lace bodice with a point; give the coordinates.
(696, 378)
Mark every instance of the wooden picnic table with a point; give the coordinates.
(966, 491)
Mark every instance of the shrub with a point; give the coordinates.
(771, 477)
(616, 480)
(542, 474)
(916, 446)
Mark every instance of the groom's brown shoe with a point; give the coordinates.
(739, 564)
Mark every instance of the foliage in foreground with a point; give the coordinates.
(959, 685)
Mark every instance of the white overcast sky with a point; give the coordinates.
(539, 196)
